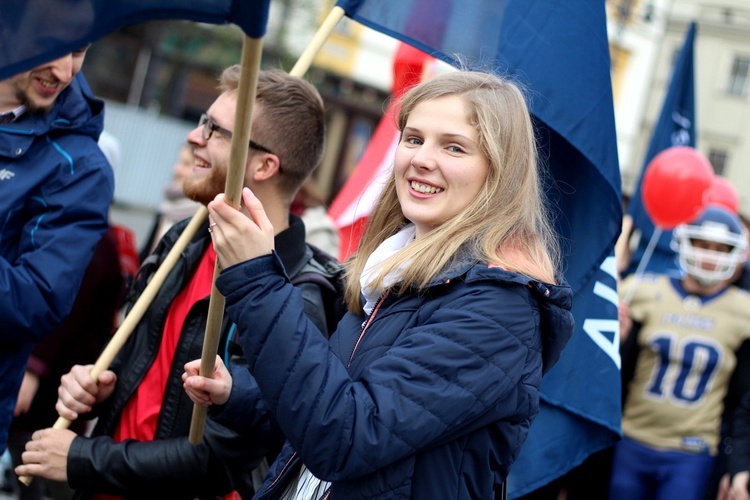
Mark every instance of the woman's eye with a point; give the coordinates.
(455, 149)
(413, 140)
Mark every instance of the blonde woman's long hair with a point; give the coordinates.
(507, 225)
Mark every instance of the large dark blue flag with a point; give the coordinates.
(559, 50)
(33, 32)
(676, 127)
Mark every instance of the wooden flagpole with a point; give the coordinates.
(250, 67)
(251, 53)
(323, 33)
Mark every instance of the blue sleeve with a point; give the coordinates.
(245, 412)
(40, 286)
(480, 352)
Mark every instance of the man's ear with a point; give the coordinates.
(264, 166)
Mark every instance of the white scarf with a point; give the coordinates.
(386, 249)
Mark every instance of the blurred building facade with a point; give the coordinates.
(645, 37)
(159, 77)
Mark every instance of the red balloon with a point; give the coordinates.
(724, 194)
(676, 186)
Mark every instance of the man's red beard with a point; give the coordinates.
(205, 189)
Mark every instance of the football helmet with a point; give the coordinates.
(714, 225)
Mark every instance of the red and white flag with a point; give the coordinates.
(354, 203)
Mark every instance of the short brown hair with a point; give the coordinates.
(289, 120)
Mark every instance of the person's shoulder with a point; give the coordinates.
(327, 275)
(322, 269)
(504, 296)
(174, 232)
(498, 280)
(739, 290)
(492, 273)
(323, 262)
(644, 285)
(648, 278)
(740, 298)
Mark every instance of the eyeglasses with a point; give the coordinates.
(210, 126)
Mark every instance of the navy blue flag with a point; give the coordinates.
(559, 50)
(676, 127)
(33, 32)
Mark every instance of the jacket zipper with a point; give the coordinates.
(362, 333)
(364, 328)
(283, 469)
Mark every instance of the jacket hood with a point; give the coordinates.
(78, 109)
(555, 302)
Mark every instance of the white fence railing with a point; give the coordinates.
(149, 144)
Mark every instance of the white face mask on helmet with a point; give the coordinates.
(710, 267)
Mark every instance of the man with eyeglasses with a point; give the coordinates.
(210, 126)
(56, 187)
(140, 445)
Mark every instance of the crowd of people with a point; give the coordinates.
(437, 346)
(410, 371)
(418, 394)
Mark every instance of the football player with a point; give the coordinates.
(680, 339)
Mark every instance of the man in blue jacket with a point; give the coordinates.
(55, 191)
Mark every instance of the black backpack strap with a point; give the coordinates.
(311, 276)
(323, 272)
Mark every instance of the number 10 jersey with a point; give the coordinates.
(686, 355)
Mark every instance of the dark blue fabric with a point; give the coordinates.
(36, 31)
(640, 471)
(676, 127)
(433, 401)
(571, 101)
(56, 189)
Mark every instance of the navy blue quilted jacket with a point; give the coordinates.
(430, 397)
(55, 191)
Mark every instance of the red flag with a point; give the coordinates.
(353, 204)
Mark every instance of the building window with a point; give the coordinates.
(718, 159)
(739, 75)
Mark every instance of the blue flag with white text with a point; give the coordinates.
(559, 50)
(676, 127)
(33, 32)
